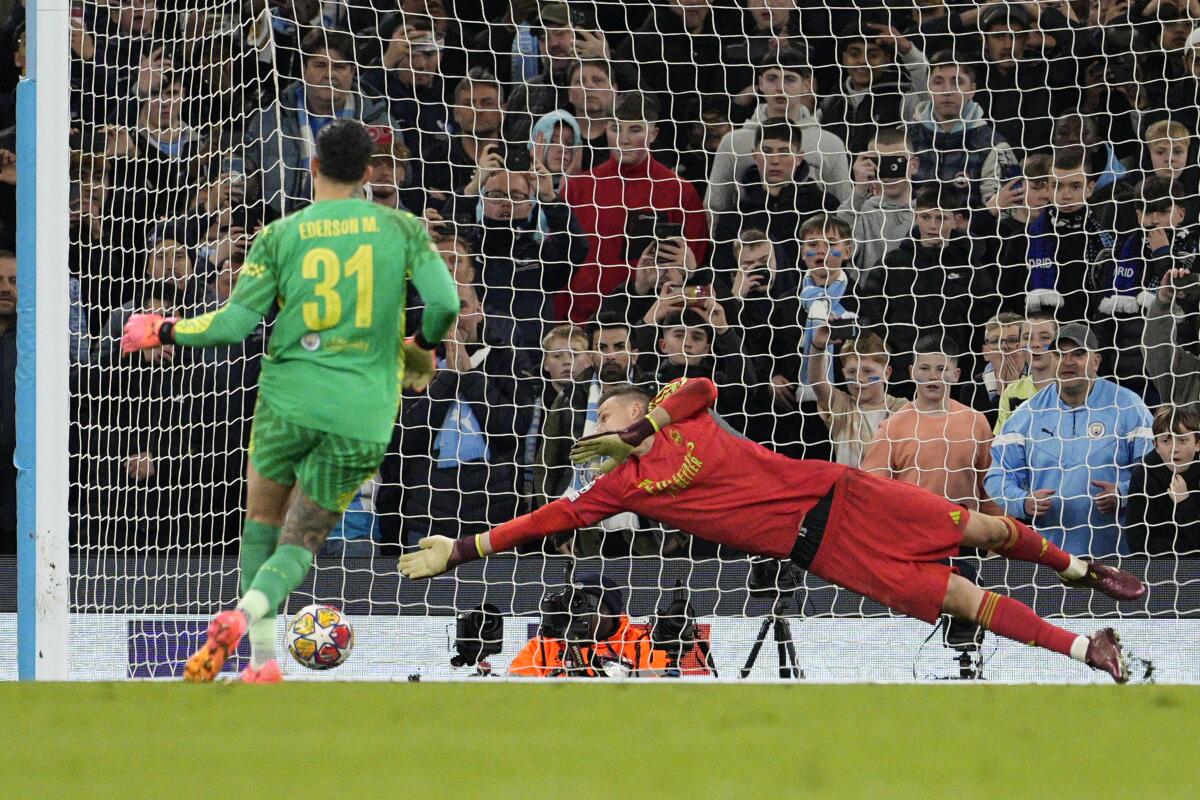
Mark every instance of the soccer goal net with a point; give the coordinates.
(947, 242)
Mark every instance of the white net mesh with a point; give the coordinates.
(830, 209)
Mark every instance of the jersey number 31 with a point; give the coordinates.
(323, 266)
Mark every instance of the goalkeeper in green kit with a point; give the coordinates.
(330, 384)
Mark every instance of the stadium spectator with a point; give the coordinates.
(16, 38)
(458, 440)
(778, 192)
(678, 53)
(567, 37)
(1064, 458)
(592, 94)
(562, 413)
(476, 131)
(615, 351)
(1005, 353)
(8, 401)
(152, 413)
(1172, 355)
(410, 76)
(153, 162)
(935, 441)
(825, 296)
(392, 174)
(101, 275)
(1013, 88)
(884, 220)
(655, 289)
(528, 241)
(880, 68)
(784, 81)
(280, 139)
(169, 263)
(1066, 247)
(631, 185)
(950, 136)
(586, 632)
(930, 283)
(700, 342)
(1079, 128)
(556, 142)
(853, 414)
(1141, 259)
(764, 304)
(1038, 334)
(1163, 514)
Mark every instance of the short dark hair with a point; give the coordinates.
(778, 129)
(948, 58)
(5, 253)
(943, 196)
(786, 59)
(636, 107)
(891, 134)
(937, 344)
(601, 64)
(626, 390)
(690, 318)
(1071, 157)
(1176, 419)
(321, 42)
(1159, 194)
(344, 149)
(606, 320)
(822, 223)
(479, 75)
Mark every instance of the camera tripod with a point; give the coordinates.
(777, 624)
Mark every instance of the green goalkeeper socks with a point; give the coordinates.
(276, 579)
(258, 543)
(262, 641)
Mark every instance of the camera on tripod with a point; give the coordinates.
(781, 580)
(478, 634)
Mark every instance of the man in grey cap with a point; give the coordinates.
(1063, 459)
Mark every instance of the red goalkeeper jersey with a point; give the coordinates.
(700, 479)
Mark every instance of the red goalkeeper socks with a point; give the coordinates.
(1026, 544)
(1015, 620)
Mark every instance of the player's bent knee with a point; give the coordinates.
(985, 532)
(962, 598)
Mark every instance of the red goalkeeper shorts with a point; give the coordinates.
(891, 541)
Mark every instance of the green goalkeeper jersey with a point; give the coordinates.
(339, 272)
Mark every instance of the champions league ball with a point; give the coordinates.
(320, 637)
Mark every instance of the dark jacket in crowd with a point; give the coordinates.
(8, 440)
(1155, 523)
(780, 216)
(463, 496)
(524, 264)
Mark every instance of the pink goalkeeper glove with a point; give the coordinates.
(142, 332)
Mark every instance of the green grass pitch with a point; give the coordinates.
(407, 741)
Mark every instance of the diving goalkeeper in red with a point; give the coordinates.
(669, 460)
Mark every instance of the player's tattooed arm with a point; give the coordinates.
(307, 524)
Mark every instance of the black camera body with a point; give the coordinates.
(478, 633)
(770, 577)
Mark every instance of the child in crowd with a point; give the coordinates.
(854, 413)
(1163, 508)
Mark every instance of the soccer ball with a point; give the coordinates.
(320, 637)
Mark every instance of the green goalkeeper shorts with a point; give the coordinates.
(329, 468)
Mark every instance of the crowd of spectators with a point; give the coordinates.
(947, 241)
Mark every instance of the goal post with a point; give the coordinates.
(43, 362)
